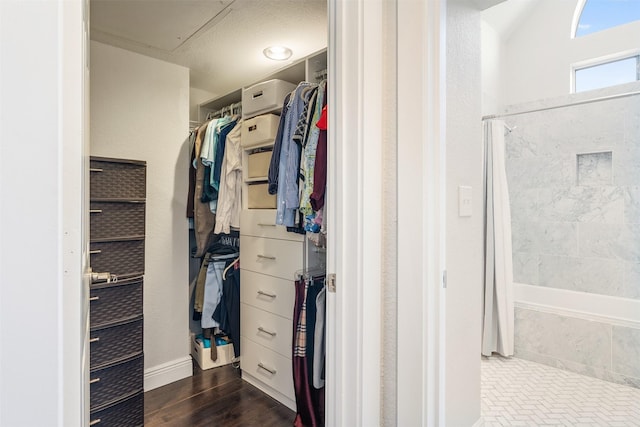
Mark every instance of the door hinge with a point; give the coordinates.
(331, 282)
(444, 279)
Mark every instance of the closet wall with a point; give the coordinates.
(140, 110)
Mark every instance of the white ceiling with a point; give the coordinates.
(507, 16)
(220, 41)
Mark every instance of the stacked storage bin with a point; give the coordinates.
(117, 221)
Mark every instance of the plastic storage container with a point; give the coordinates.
(264, 97)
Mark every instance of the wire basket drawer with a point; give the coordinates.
(122, 258)
(126, 413)
(117, 180)
(116, 381)
(115, 301)
(115, 342)
(111, 220)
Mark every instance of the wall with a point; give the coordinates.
(42, 297)
(492, 69)
(573, 176)
(539, 52)
(197, 96)
(463, 234)
(139, 110)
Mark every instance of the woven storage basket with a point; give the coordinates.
(115, 180)
(111, 343)
(115, 301)
(111, 220)
(126, 413)
(122, 258)
(113, 382)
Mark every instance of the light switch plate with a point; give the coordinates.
(465, 201)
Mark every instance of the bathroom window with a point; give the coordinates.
(597, 15)
(606, 73)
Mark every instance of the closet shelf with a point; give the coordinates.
(115, 200)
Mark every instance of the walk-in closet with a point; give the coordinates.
(235, 148)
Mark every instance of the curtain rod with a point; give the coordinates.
(587, 101)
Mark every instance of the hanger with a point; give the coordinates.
(224, 272)
(311, 273)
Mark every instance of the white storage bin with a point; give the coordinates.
(264, 97)
(259, 197)
(258, 164)
(259, 130)
(203, 355)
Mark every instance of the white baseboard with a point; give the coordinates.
(167, 373)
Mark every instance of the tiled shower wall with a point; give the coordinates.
(574, 183)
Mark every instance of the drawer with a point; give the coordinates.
(115, 301)
(267, 366)
(259, 198)
(263, 97)
(272, 331)
(116, 342)
(279, 258)
(126, 413)
(111, 220)
(262, 223)
(113, 382)
(258, 163)
(268, 293)
(260, 130)
(122, 258)
(117, 180)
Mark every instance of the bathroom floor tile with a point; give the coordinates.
(531, 394)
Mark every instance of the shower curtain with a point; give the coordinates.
(498, 325)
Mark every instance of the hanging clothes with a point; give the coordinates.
(274, 165)
(203, 219)
(230, 194)
(309, 399)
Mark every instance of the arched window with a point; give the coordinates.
(597, 15)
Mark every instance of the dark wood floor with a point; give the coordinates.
(215, 397)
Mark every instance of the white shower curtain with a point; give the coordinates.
(498, 325)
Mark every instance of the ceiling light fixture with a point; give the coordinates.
(278, 53)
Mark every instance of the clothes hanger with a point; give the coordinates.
(224, 272)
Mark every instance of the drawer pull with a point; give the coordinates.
(96, 339)
(95, 210)
(263, 293)
(95, 251)
(94, 380)
(271, 371)
(94, 422)
(262, 224)
(266, 257)
(94, 298)
(95, 170)
(261, 329)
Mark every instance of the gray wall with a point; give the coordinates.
(574, 182)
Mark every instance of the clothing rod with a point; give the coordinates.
(586, 101)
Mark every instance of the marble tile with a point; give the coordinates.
(582, 204)
(557, 238)
(632, 280)
(519, 144)
(524, 237)
(616, 241)
(592, 275)
(595, 168)
(626, 165)
(632, 121)
(631, 204)
(525, 268)
(566, 338)
(525, 205)
(626, 351)
(541, 172)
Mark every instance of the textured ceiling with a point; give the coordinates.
(221, 42)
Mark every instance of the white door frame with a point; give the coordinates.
(355, 330)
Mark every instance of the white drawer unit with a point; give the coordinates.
(270, 369)
(262, 223)
(267, 329)
(264, 97)
(268, 293)
(278, 258)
